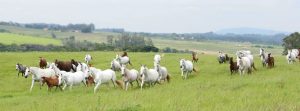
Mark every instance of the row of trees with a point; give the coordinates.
(291, 42)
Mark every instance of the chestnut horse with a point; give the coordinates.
(195, 57)
(52, 81)
(270, 61)
(43, 63)
(66, 65)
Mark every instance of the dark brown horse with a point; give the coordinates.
(270, 61)
(66, 65)
(124, 54)
(227, 57)
(43, 63)
(233, 66)
(51, 82)
(195, 57)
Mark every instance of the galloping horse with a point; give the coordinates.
(270, 61)
(38, 73)
(149, 76)
(115, 65)
(244, 64)
(88, 58)
(129, 76)
(263, 57)
(194, 57)
(43, 63)
(162, 71)
(244, 53)
(21, 69)
(186, 67)
(67, 66)
(292, 55)
(233, 66)
(123, 60)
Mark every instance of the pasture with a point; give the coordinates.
(211, 88)
(8, 38)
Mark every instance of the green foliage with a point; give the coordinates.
(10, 38)
(291, 42)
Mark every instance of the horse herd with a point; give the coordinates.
(62, 74)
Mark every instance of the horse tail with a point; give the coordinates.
(120, 83)
(168, 78)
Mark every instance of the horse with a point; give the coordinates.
(90, 81)
(245, 53)
(244, 64)
(21, 69)
(37, 74)
(157, 58)
(88, 58)
(129, 76)
(263, 57)
(233, 66)
(115, 65)
(292, 55)
(101, 77)
(270, 61)
(123, 60)
(162, 71)
(124, 54)
(221, 57)
(52, 81)
(43, 63)
(72, 78)
(227, 57)
(149, 76)
(67, 66)
(194, 57)
(186, 67)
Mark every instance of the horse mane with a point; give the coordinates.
(124, 54)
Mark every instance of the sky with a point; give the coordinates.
(179, 16)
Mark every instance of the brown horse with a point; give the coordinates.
(233, 66)
(195, 57)
(227, 57)
(51, 82)
(270, 61)
(66, 65)
(90, 81)
(43, 63)
(124, 54)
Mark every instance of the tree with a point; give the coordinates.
(291, 42)
(110, 39)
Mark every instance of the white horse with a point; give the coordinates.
(123, 60)
(246, 53)
(129, 76)
(157, 58)
(292, 55)
(101, 77)
(186, 67)
(88, 58)
(72, 78)
(115, 65)
(37, 74)
(162, 71)
(149, 76)
(263, 57)
(244, 65)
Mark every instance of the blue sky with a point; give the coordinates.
(158, 15)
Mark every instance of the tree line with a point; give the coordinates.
(291, 42)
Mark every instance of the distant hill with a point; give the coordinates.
(248, 30)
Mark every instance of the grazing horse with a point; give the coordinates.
(129, 76)
(67, 66)
(292, 55)
(37, 74)
(221, 57)
(186, 67)
(124, 54)
(162, 71)
(149, 76)
(101, 77)
(70, 78)
(115, 65)
(194, 57)
(52, 81)
(270, 61)
(88, 58)
(43, 63)
(233, 66)
(123, 60)
(157, 58)
(21, 69)
(244, 53)
(244, 64)
(263, 57)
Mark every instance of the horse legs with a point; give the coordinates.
(126, 86)
(138, 84)
(65, 85)
(142, 83)
(32, 83)
(114, 82)
(96, 87)
(186, 74)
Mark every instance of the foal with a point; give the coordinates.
(270, 61)
(233, 66)
(52, 81)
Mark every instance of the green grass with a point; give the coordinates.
(211, 88)
(8, 38)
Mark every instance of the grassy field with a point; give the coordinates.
(8, 38)
(211, 88)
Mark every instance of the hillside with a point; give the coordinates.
(9, 38)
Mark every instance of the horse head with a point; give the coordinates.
(143, 70)
(182, 63)
(27, 72)
(123, 68)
